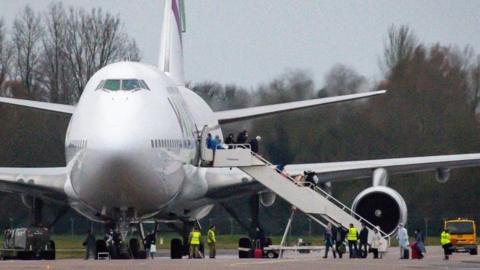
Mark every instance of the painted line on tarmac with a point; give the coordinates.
(274, 261)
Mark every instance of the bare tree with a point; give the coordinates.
(400, 46)
(27, 32)
(6, 53)
(94, 40)
(475, 84)
(54, 76)
(341, 80)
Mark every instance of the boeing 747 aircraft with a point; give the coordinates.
(134, 150)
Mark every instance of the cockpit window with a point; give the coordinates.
(126, 85)
(130, 84)
(112, 85)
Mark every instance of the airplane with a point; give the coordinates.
(133, 146)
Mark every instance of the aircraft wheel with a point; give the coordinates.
(244, 243)
(176, 248)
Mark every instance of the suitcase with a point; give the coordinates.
(406, 253)
(415, 252)
(258, 252)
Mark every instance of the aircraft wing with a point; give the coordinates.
(47, 106)
(246, 113)
(334, 171)
(41, 182)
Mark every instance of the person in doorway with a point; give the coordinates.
(402, 236)
(352, 238)
(242, 137)
(211, 241)
(363, 241)
(446, 243)
(210, 141)
(254, 144)
(420, 242)
(194, 242)
(329, 241)
(89, 245)
(230, 139)
(218, 143)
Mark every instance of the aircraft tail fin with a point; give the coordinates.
(170, 58)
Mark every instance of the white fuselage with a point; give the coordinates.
(130, 153)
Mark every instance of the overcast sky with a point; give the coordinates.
(249, 42)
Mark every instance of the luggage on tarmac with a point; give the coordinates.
(406, 254)
(257, 251)
(416, 254)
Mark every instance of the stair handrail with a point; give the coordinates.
(324, 194)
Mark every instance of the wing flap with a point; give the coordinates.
(246, 113)
(335, 171)
(54, 107)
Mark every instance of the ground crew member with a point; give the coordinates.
(89, 245)
(352, 237)
(445, 242)
(194, 241)
(211, 241)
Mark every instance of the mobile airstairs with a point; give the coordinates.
(316, 203)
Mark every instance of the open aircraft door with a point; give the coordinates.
(206, 155)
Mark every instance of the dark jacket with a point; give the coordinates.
(254, 145)
(229, 139)
(242, 138)
(363, 236)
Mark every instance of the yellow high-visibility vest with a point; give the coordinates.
(352, 234)
(195, 240)
(211, 237)
(444, 238)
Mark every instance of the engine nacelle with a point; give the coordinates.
(442, 175)
(267, 199)
(382, 206)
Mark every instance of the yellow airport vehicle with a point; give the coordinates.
(463, 235)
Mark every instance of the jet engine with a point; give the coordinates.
(267, 198)
(382, 206)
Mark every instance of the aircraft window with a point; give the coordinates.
(112, 85)
(100, 85)
(131, 85)
(144, 85)
(127, 85)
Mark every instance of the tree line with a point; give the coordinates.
(49, 56)
(431, 108)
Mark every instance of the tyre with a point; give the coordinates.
(473, 251)
(272, 254)
(176, 248)
(246, 244)
(135, 248)
(124, 251)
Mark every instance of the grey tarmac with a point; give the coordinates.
(293, 261)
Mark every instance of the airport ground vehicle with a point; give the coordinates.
(463, 235)
(28, 244)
